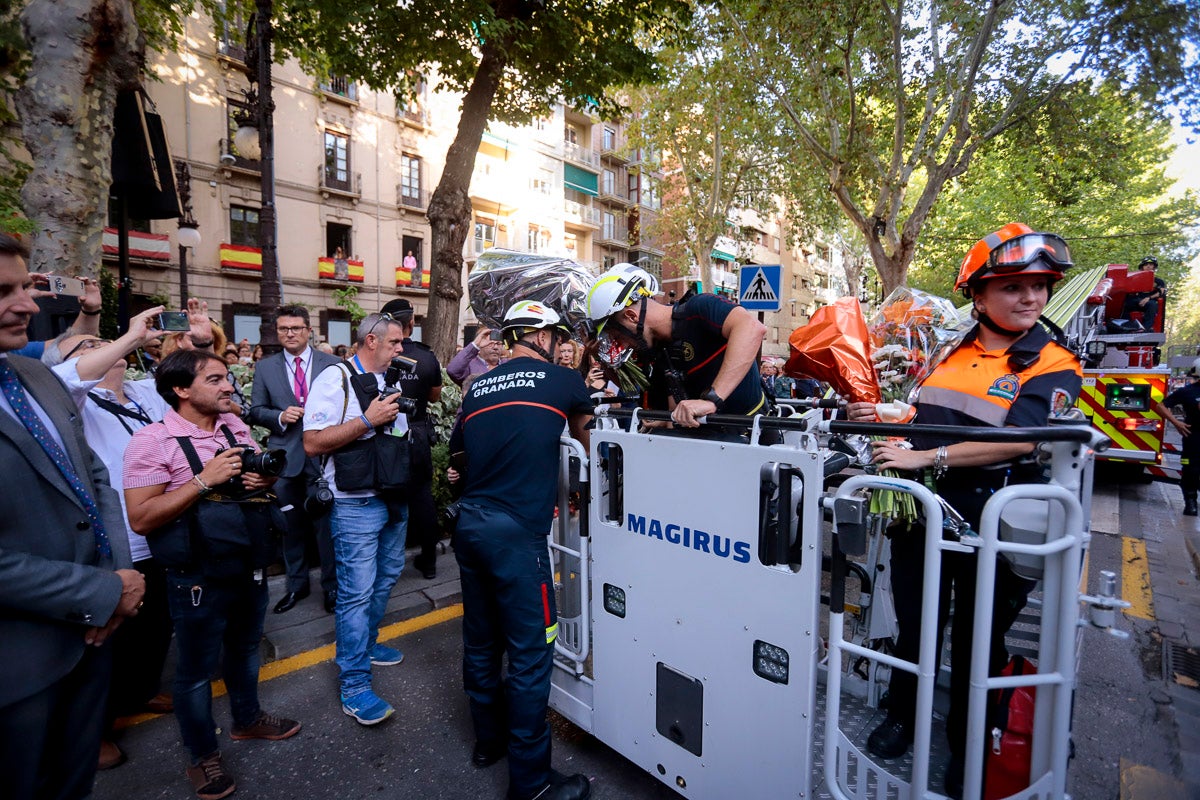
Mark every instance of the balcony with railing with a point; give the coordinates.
(337, 182)
(580, 215)
(615, 234)
(583, 156)
(410, 197)
(614, 147)
(493, 188)
(349, 270)
(340, 88)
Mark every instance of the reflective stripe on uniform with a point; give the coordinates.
(983, 410)
(551, 625)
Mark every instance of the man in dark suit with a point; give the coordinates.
(281, 384)
(424, 384)
(65, 582)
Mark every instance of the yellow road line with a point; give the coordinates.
(286, 666)
(1135, 579)
(1083, 576)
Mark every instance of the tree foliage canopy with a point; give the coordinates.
(697, 115)
(1089, 165)
(894, 100)
(570, 50)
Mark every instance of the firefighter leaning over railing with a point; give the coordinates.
(1007, 372)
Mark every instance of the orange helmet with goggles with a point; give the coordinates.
(1014, 249)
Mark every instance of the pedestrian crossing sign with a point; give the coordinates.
(758, 289)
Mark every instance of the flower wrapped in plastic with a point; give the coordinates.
(501, 278)
(835, 347)
(911, 333)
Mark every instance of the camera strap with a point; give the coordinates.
(193, 458)
(121, 412)
(345, 405)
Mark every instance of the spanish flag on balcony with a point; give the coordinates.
(327, 270)
(237, 256)
(404, 278)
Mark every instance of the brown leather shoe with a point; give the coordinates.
(161, 703)
(210, 780)
(111, 756)
(267, 726)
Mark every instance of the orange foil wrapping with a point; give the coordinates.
(835, 347)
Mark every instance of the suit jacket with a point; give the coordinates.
(273, 393)
(53, 583)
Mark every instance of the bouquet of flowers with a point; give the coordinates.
(835, 347)
(880, 363)
(911, 333)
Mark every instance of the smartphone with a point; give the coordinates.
(496, 336)
(61, 285)
(173, 321)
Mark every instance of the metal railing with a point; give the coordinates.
(340, 86)
(328, 181)
(580, 154)
(411, 198)
(582, 214)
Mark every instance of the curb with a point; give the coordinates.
(308, 626)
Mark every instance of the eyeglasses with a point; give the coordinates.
(87, 344)
(289, 331)
(1018, 253)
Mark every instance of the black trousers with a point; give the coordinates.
(1189, 472)
(423, 527)
(958, 576)
(50, 742)
(300, 529)
(140, 647)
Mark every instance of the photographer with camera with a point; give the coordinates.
(281, 387)
(424, 385)
(355, 418)
(195, 487)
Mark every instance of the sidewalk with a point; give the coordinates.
(308, 625)
(1173, 552)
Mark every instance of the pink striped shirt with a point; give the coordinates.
(154, 457)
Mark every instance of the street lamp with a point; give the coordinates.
(255, 139)
(189, 230)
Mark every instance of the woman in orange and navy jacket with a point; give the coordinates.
(1008, 371)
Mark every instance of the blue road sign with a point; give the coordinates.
(758, 289)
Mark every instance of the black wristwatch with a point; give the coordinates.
(714, 398)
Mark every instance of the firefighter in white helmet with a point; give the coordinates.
(512, 418)
(702, 354)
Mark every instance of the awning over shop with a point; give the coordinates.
(581, 180)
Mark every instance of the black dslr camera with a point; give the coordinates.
(269, 462)
(318, 499)
(400, 365)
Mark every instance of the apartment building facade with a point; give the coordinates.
(354, 172)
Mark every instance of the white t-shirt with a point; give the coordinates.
(331, 401)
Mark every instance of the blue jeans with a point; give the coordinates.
(208, 615)
(368, 544)
(508, 607)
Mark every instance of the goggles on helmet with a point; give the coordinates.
(1019, 252)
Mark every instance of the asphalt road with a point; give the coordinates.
(1124, 718)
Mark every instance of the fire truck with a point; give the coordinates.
(1124, 372)
(722, 604)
